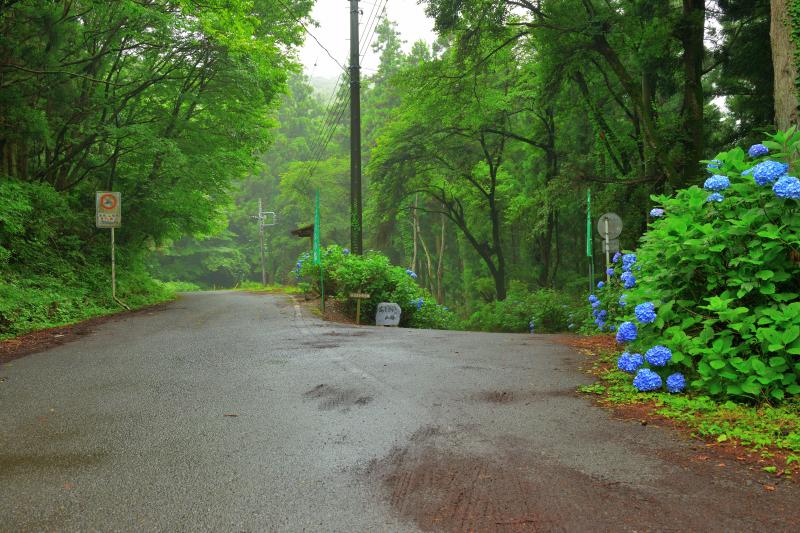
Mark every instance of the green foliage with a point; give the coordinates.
(550, 310)
(752, 426)
(181, 286)
(724, 278)
(372, 273)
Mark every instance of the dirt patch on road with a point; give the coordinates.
(331, 398)
(436, 483)
(45, 339)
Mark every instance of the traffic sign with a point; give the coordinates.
(108, 211)
(614, 226)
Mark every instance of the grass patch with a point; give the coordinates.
(771, 430)
(252, 286)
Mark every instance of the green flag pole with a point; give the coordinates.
(589, 251)
(318, 254)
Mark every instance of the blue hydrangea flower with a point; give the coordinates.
(600, 323)
(646, 380)
(616, 257)
(657, 212)
(601, 284)
(592, 298)
(628, 280)
(717, 182)
(627, 261)
(757, 150)
(645, 313)
(346, 251)
(612, 328)
(622, 302)
(411, 273)
(419, 303)
(787, 187)
(714, 197)
(531, 326)
(596, 304)
(768, 171)
(626, 332)
(630, 362)
(676, 382)
(658, 355)
(713, 165)
(610, 271)
(748, 172)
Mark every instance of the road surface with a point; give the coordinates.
(238, 412)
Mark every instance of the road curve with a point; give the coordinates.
(230, 411)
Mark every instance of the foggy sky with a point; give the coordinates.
(333, 32)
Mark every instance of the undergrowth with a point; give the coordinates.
(763, 428)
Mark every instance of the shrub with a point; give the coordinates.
(372, 273)
(549, 310)
(724, 278)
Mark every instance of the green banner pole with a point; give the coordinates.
(589, 251)
(318, 254)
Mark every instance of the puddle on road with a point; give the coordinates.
(11, 464)
(508, 397)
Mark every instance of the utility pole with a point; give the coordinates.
(261, 216)
(356, 236)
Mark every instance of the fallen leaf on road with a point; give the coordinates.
(234, 415)
(769, 487)
(68, 485)
(721, 464)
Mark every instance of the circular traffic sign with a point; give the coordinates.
(614, 225)
(108, 201)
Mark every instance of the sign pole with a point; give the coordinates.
(113, 267)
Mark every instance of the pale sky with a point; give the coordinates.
(333, 32)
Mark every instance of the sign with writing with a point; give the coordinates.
(108, 211)
(359, 296)
(388, 314)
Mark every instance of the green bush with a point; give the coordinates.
(54, 265)
(372, 273)
(550, 311)
(725, 279)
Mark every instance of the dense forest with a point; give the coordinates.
(479, 149)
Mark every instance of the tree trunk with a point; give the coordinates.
(692, 32)
(783, 63)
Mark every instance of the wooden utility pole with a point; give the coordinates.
(783, 64)
(356, 235)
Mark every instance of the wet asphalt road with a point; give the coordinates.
(338, 428)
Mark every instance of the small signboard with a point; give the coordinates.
(388, 314)
(108, 211)
(359, 296)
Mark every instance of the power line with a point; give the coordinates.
(305, 29)
(338, 102)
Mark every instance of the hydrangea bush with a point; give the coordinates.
(715, 296)
(372, 273)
